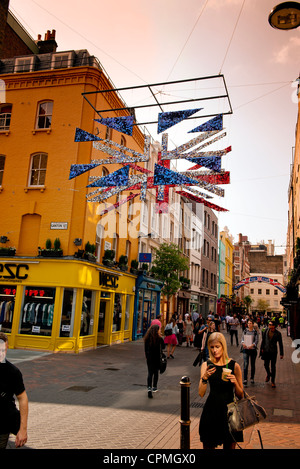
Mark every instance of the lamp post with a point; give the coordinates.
(285, 16)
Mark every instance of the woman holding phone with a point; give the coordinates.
(224, 376)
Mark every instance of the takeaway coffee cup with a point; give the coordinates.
(225, 373)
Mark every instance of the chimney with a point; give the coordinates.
(48, 44)
(4, 4)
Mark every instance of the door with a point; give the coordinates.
(146, 315)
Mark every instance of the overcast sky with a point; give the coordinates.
(142, 42)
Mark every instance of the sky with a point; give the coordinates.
(140, 42)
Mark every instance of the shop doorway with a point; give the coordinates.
(146, 315)
(103, 318)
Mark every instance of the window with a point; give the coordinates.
(37, 311)
(2, 163)
(5, 116)
(87, 313)
(24, 64)
(108, 133)
(275, 292)
(68, 312)
(7, 300)
(44, 115)
(62, 60)
(267, 291)
(259, 291)
(117, 314)
(38, 169)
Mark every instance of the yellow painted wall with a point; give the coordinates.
(61, 200)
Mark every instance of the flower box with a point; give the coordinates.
(51, 253)
(7, 252)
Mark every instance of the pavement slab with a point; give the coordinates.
(98, 400)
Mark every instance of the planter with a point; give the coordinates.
(89, 257)
(123, 267)
(7, 252)
(45, 253)
(79, 254)
(134, 271)
(108, 262)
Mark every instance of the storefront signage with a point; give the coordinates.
(55, 225)
(108, 280)
(145, 257)
(13, 271)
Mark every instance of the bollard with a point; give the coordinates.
(185, 413)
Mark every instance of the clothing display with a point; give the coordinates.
(6, 311)
(38, 314)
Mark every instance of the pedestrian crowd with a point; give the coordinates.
(259, 336)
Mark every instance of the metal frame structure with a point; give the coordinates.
(159, 104)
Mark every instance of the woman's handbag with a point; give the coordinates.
(168, 331)
(244, 413)
(163, 363)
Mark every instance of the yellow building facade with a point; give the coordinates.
(228, 271)
(41, 205)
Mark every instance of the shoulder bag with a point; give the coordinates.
(244, 413)
(163, 363)
(168, 330)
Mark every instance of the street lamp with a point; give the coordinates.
(286, 16)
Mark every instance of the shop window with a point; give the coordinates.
(153, 305)
(117, 315)
(7, 304)
(2, 164)
(38, 169)
(44, 115)
(5, 116)
(104, 304)
(127, 313)
(68, 313)
(140, 313)
(37, 311)
(87, 313)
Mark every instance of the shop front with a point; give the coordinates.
(183, 301)
(146, 304)
(64, 304)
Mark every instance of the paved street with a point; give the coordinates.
(98, 400)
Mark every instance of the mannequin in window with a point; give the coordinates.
(85, 315)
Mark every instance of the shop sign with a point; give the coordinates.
(108, 280)
(13, 271)
(145, 257)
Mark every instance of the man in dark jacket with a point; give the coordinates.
(268, 350)
(11, 384)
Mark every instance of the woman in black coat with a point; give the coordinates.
(154, 344)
